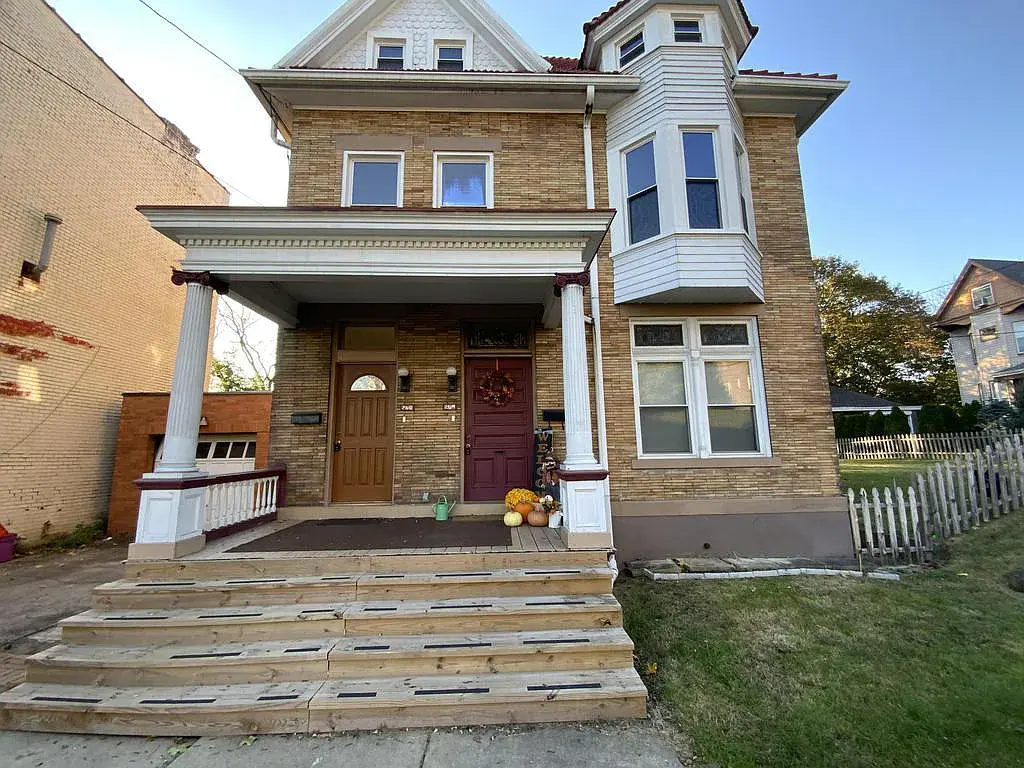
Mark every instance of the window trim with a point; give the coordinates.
(351, 157)
(388, 41)
(745, 186)
(651, 139)
(1018, 336)
(991, 294)
(700, 30)
(440, 158)
(637, 53)
(693, 357)
(988, 333)
(716, 152)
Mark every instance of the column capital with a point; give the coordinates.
(562, 279)
(181, 277)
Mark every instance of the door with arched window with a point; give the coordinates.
(364, 433)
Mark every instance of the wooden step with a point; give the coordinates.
(320, 707)
(280, 590)
(388, 617)
(350, 657)
(260, 565)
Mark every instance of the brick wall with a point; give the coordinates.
(142, 422)
(105, 314)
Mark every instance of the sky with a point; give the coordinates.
(914, 170)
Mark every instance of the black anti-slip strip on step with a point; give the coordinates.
(166, 584)
(372, 648)
(257, 581)
(448, 691)
(358, 695)
(395, 576)
(557, 642)
(455, 575)
(177, 701)
(438, 646)
(282, 697)
(336, 578)
(320, 610)
(564, 687)
(226, 655)
(229, 615)
(455, 607)
(557, 602)
(67, 699)
(302, 650)
(379, 609)
(135, 618)
(549, 573)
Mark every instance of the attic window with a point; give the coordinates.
(450, 58)
(688, 31)
(982, 296)
(633, 48)
(390, 56)
(988, 333)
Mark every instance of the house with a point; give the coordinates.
(983, 313)
(86, 311)
(487, 256)
(848, 401)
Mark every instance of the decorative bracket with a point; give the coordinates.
(180, 277)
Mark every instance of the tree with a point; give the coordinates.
(876, 424)
(244, 347)
(896, 422)
(878, 338)
(227, 379)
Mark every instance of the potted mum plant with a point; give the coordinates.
(7, 542)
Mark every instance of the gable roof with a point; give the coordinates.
(847, 398)
(348, 23)
(1013, 270)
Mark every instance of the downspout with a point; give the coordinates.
(275, 136)
(595, 313)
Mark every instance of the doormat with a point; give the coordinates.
(381, 533)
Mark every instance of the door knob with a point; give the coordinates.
(337, 446)
(469, 447)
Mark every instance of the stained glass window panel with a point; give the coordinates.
(723, 334)
(658, 335)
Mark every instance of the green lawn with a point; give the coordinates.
(797, 672)
(880, 473)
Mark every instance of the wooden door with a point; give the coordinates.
(364, 433)
(499, 437)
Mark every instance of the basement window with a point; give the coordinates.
(390, 55)
(631, 49)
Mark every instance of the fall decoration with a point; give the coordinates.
(517, 495)
(497, 387)
(537, 518)
(513, 519)
(524, 508)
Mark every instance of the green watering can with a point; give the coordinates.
(442, 508)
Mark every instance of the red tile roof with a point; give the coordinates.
(798, 75)
(563, 63)
(595, 22)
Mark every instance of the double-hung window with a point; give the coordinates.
(464, 180)
(450, 57)
(688, 31)
(982, 296)
(1018, 335)
(698, 389)
(702, 201)
(642, 193)
(390, 55)
(632, 48)
(743, 179)
(373, 178)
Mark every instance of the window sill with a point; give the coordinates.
(756, 462)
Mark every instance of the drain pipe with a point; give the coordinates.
(595, 314)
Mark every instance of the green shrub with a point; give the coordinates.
(896, 422)
(876, 424)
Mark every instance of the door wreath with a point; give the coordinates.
(497, 387)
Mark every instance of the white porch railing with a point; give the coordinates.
(237, 499)
(936, 446)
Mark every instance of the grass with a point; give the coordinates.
(81, 535)
(880, 473)
(843, 673)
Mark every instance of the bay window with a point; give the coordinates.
(698, 388)
(701, 170)
(631, 48)
(642, 193)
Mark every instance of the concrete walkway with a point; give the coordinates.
(616, 745)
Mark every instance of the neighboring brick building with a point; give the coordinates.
(103, 317)
(452, 194)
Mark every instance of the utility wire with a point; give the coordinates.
(186, 34)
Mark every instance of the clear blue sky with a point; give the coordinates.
(915, 169)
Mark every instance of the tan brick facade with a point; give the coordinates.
(108, 284)
(143, 418)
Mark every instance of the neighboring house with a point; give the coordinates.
(848, 401)
(86, 309)
(622, 235)
(983, 313)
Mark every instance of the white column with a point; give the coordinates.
(579, 437)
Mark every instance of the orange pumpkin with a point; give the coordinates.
(537, 518)
(524, 508)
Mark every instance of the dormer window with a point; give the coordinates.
(631, 49)
(390, 55)
(982, 296)
(688, 31)
(450, 58)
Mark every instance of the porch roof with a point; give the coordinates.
(274, 259)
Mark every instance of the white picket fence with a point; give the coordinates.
(935, 446)
(905, 524)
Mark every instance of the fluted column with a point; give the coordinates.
(579, 437)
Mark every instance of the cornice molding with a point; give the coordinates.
(288, 242)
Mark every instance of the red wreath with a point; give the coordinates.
(497, 388)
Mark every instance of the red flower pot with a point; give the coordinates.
(7, 546)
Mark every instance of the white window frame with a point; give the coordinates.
(693, 356)
(1018, 335)
(988, 333)
(652, 139)
(745, 187)
(633, 34)
(975, 292)
(440, 158)
(716, 148)
(463, 44)
(700, 30)
(388, 41)
(350, 158)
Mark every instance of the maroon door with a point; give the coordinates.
(499, 435)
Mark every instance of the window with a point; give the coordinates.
(373, 179)
(982, 296)
(237, 450)
(450, 58)
(631, 49)
(202, 450)
(698, 389)
(642, 193)
(701, 180)
(743, 180)
(464, 180)
(988, 333)
(1018, 334)
(688, 31)
(250, 449)
(390, 55)
(368, 383)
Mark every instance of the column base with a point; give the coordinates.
(584, 497)
(172, 512)
(169, 550)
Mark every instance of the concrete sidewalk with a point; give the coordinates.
(613, 745)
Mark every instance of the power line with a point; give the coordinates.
(186, 34)
(117, 114)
